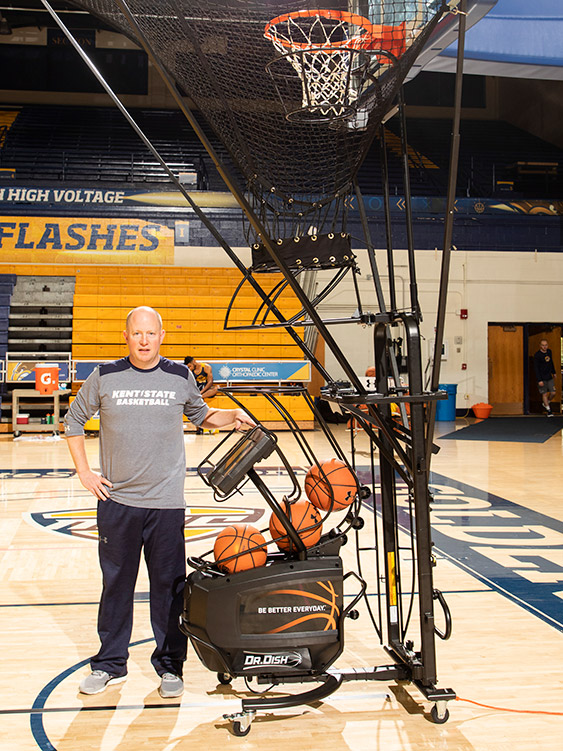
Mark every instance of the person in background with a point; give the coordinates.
(140, 490)
(203, 375)
(545, 373)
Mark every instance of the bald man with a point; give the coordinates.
(140, 493)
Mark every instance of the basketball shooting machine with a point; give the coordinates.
(298, 91)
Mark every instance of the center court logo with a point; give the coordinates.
(201, 521)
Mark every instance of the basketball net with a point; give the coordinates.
(327, 50)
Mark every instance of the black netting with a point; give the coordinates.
(295, 90)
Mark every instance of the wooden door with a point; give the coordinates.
(552, 333)
(506, 369)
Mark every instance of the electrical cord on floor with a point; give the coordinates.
(505, 709)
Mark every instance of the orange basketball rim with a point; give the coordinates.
(373, 36)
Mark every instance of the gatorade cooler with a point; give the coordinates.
(445, 408)
(46, 377)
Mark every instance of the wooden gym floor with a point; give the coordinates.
(498, 528)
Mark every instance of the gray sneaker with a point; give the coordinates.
(98, 681)
(171, 686)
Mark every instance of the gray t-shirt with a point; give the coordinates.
(141, 428)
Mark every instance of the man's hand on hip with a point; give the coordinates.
(95, 483)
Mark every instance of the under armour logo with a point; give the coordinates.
(104, 539)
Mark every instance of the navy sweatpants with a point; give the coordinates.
(123, 532)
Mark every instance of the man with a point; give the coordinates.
(203, 375)
(141, 399)
(545, 371)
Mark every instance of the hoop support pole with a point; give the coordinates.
(388, 232)
(415, 306)
(379, 292)
(448, 230)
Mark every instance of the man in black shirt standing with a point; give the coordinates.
(545, 371)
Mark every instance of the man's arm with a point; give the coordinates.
(92, 481)
(87, 402)
(537, 369)
(222, 418)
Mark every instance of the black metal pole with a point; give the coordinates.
(386, 208)
(379, 293)
(370, 249)
(421, 498)
(448, 228)
(415, 307)
(388, 492)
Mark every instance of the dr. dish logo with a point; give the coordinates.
(282, 659)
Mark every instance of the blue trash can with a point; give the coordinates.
(445, 408)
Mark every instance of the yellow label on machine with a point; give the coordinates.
(392, 578)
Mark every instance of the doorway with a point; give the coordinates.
(513, 386)
(536, 332)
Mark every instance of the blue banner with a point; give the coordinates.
(82, 200)
(23, 371)
(233, 371)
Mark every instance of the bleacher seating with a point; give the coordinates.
(192, 302)
(7, 282)
(96, 144)
(40, 326)
(426, 177)
(495, 156)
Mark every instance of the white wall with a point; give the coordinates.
(493, 286)
(500, 287)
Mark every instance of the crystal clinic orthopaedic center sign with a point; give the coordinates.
(97, 240)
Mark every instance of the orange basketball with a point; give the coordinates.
(242, 541)
(338, 478)
(306, 520)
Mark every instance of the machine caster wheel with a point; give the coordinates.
(17, 433)
(439, 716)
(242, 722)
(224, 678)
(239, 730)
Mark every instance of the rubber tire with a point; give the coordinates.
(224, 678)
(439, 720)
(238, 731)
